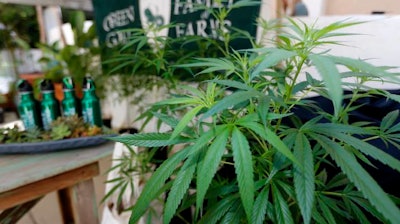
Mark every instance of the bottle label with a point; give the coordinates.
(69, 107)
(47, 118)
(92, 114)
(69, 111)
(91, 110)
(88, 115)
(28, 118)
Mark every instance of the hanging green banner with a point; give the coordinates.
(200, 22)
(114, 17)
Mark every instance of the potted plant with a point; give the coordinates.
(258, 144)
(143, 70)
(75, 60)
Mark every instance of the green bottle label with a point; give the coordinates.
(92, 115)
(47, 118)
(91, 110)
(88, 115)
(28, 118)
(49, 109)
(69, 111)
(28, 111)
(69, 104)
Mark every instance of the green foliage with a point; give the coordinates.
(20, 27)
(248, 157)
(19, 30)
(60, 132)
(3, 99)
(62, 128)
(139, 163)
(77, 60)
(151, 58)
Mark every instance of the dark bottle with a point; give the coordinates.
(70, 105)
(49, 106)
(91, 110)
(28, 107)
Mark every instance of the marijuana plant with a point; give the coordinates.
(256, 147)
(150, 56)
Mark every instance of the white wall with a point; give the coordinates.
(345, 7)
(27, 62)
(315, 8)
(378, 40)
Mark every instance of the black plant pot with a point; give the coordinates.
(372, 109)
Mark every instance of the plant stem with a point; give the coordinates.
(289, 94)
(371, 138)
(333, 193)
(299, 67)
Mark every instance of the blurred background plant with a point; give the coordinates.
(150, 55)
(18, 29)
(76, 60)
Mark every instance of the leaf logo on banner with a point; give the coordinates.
(155, 12)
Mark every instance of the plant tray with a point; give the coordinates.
(53, 146)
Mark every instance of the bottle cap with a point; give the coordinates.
(88, 83)
(24, 86)
(68, 83)
(46, 85)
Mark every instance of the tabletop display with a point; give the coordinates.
(66, 133)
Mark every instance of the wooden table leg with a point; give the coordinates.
(65, 202)
(12, 215)
(86, 202)
(78, 203)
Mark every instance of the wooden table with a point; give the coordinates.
(26, 178)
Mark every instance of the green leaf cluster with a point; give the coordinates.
(152, 58)
(20, 27)
(247, 157)
(75, 60)
(61, 128)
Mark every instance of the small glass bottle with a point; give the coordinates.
(28, 107)
(91, 110)
(49, 106)
(70, 104)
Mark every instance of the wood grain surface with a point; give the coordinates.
(22, 169)
(25, 178)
